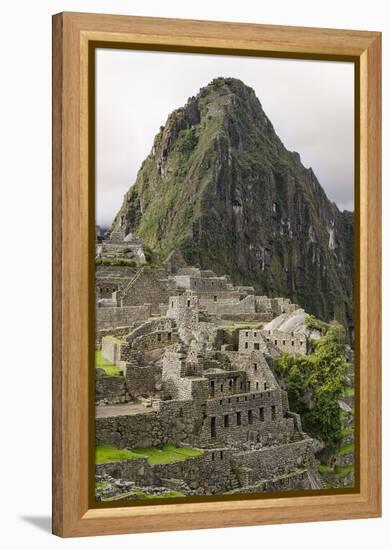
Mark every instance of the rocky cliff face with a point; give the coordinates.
(220, 186)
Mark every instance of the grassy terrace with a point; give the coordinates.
(346, 449)
(342, 471)
(102, 363)
(164, 455)
(324, 469)
(142, 494)
(241, 326)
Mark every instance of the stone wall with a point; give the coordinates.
(251, 340)
(184, 309)
(160, 324)
(111, 317)
(276, 306)
(220, 470)
(210, 472)
(155, 340)
(249, 417)
(295, 481)
(287, 342)
(152, 287)
(110, 390)
(173, 423)
(257, 340)
(119, 332)
(245, 306)
(141, 381)
(271, 462)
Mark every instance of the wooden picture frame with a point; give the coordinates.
(74, 36)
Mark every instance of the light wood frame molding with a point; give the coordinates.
(73, 229)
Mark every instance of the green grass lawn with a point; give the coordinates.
(341, 471)
(106, 453)
(163, 455)
(102, 363)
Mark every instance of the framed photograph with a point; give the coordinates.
(216, 268)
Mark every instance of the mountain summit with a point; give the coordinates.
(220, 187)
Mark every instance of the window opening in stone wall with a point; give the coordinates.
(226, 421)
(213, 427)
(273, 412)
(238, 419)
(261, 414)
(250, 417)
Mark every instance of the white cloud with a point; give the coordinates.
(310, 103)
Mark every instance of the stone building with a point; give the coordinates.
(285, 342)
(118, 246)
(184, 385)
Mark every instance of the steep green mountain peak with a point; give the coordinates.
(220, 187)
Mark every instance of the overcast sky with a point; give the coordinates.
(310, 104)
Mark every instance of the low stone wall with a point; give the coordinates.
(111, 317)
(110, 390)
(272, 462)
(149, 429)
(295, 481)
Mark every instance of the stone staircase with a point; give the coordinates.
(316, 482)
(132, 281)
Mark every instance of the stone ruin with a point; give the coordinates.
(195, 376)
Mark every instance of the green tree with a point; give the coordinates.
(317, 381)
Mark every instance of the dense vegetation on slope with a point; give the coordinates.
(220, 186)
(316, 382)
